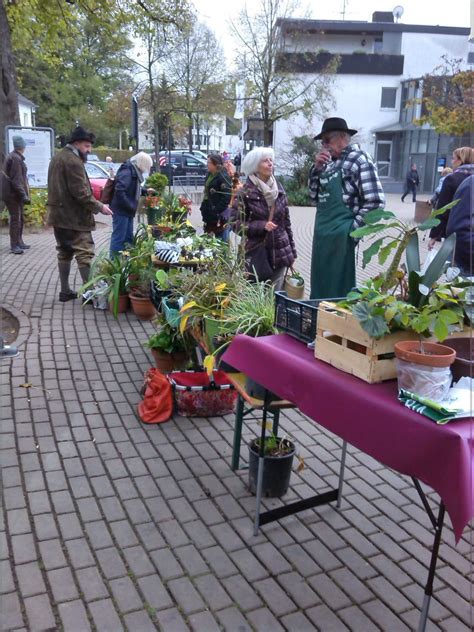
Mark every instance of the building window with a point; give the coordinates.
(470, 58)
(378, 45)
(389, 98)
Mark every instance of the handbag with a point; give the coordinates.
(157, 404)
(196, 394)
(257, 262)
(108, 191)
(292, 285)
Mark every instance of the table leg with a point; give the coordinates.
(239, 417)
(341, 474)
(276, 421)
(438, 527)
(261, 463)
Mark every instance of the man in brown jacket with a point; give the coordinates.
(71, 209)
(15, 193)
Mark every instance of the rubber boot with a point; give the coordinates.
(66, 294)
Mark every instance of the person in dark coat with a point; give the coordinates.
(412, 180)
(71, 209)
(463, 165)
(217, 192)
(260, 211)
(461, 222)
(128, 188)
(15, 193)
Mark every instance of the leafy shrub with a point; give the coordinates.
(35, 213)
(157, 181)
(298, 195)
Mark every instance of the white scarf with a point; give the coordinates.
(269, 188)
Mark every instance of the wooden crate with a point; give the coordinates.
(341, 342)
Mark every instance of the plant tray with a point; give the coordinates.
(341, 342)
(296, 317)
(157, 295)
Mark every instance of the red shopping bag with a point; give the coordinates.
(197, 395)
(157, 404)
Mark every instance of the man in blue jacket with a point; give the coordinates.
(128, 188)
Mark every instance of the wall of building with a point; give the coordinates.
(26, 118)
(424, 51)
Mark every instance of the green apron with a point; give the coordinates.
(333, 258)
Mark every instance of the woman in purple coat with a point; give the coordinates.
(261, 214)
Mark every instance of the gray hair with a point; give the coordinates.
(252, 160)
(143, 161)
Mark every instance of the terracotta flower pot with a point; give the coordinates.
(142, 307)
(167, 362)
(123, 304)
(431, 354)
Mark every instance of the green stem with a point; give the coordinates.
(390, 275)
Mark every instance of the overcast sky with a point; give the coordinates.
(217, 13)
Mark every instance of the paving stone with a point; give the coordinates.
(232, 619)
(30, 579)
(11, 611)
(138, 561)
(125, 594)
(139, 621)
(384, 617)
(52, 555)
(39, 613)
(74, 617)
(298, 589)
(263, 619)
(14, 498)
(62, 585)
(70, 526)
(150, 536)
(24, 549)
(191, 560)
(56, 481)
(248, 565)
(39, 502)
(79, 553)
(91, 584)
(203, 621)
(18, 521)
(105, 616)
(155, 593)
(171, 620)
(167, 564)
(326, 620)
(111, 563)
(123, 533)
(88, 509)
(7, 583)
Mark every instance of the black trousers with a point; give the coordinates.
(16, 212)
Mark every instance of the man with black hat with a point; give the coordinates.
(345, 185)
(15, 193)
(71, 209)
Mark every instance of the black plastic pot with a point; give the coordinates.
(276, 472)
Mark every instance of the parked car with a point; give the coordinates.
(110, 167)
(92, 157)
(182, 164)
(98, 176)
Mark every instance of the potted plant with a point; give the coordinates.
(158, 182)
(278, 456)
(294, 284)
(114, 272)
(168, 347)
(400, 300)
(138, 286)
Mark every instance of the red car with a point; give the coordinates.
(98, 176)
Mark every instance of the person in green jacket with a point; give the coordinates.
(71, 208)
(345, 185)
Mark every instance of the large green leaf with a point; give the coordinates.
(374, 324)
(414, 293)
(431, 222)
(386, 250)
(371, 230)
(413, 253)
(441, 330)
(436, 267)
(371, 251)
(372, 217)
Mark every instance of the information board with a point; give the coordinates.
(38, 152)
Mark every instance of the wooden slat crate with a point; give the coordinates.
(341, 342)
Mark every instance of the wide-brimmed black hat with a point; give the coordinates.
(335, 124)
(81, 134)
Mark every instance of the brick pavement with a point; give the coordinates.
(112, 525)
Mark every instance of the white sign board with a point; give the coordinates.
(38, 152)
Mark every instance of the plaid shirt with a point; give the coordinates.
(361, 186)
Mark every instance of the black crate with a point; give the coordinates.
(296, 317)
(157, 295)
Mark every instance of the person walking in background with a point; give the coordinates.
(260, 211)
(71, 207)
(127, 191)
(434, 198)
(461, 222)
(217, 192)
(345, 185)
(463, 166)
(237, 160)
(15, 193)
(110, 169)
(412, 180)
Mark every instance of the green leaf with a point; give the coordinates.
(448, 316)
(436, 267)
(372, 217)
(441, 330)
(371, 251)
(386, 250)
(431, 222)
(413, 253)
(374, 325)
(363, 231)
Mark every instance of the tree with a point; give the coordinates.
(194, 71)
(448, 98)
(52, 24)
(272, 93)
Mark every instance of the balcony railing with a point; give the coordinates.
(349, 64)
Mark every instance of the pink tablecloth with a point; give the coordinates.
(368, 416)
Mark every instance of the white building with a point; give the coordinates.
(381, 63)
(27, 110)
